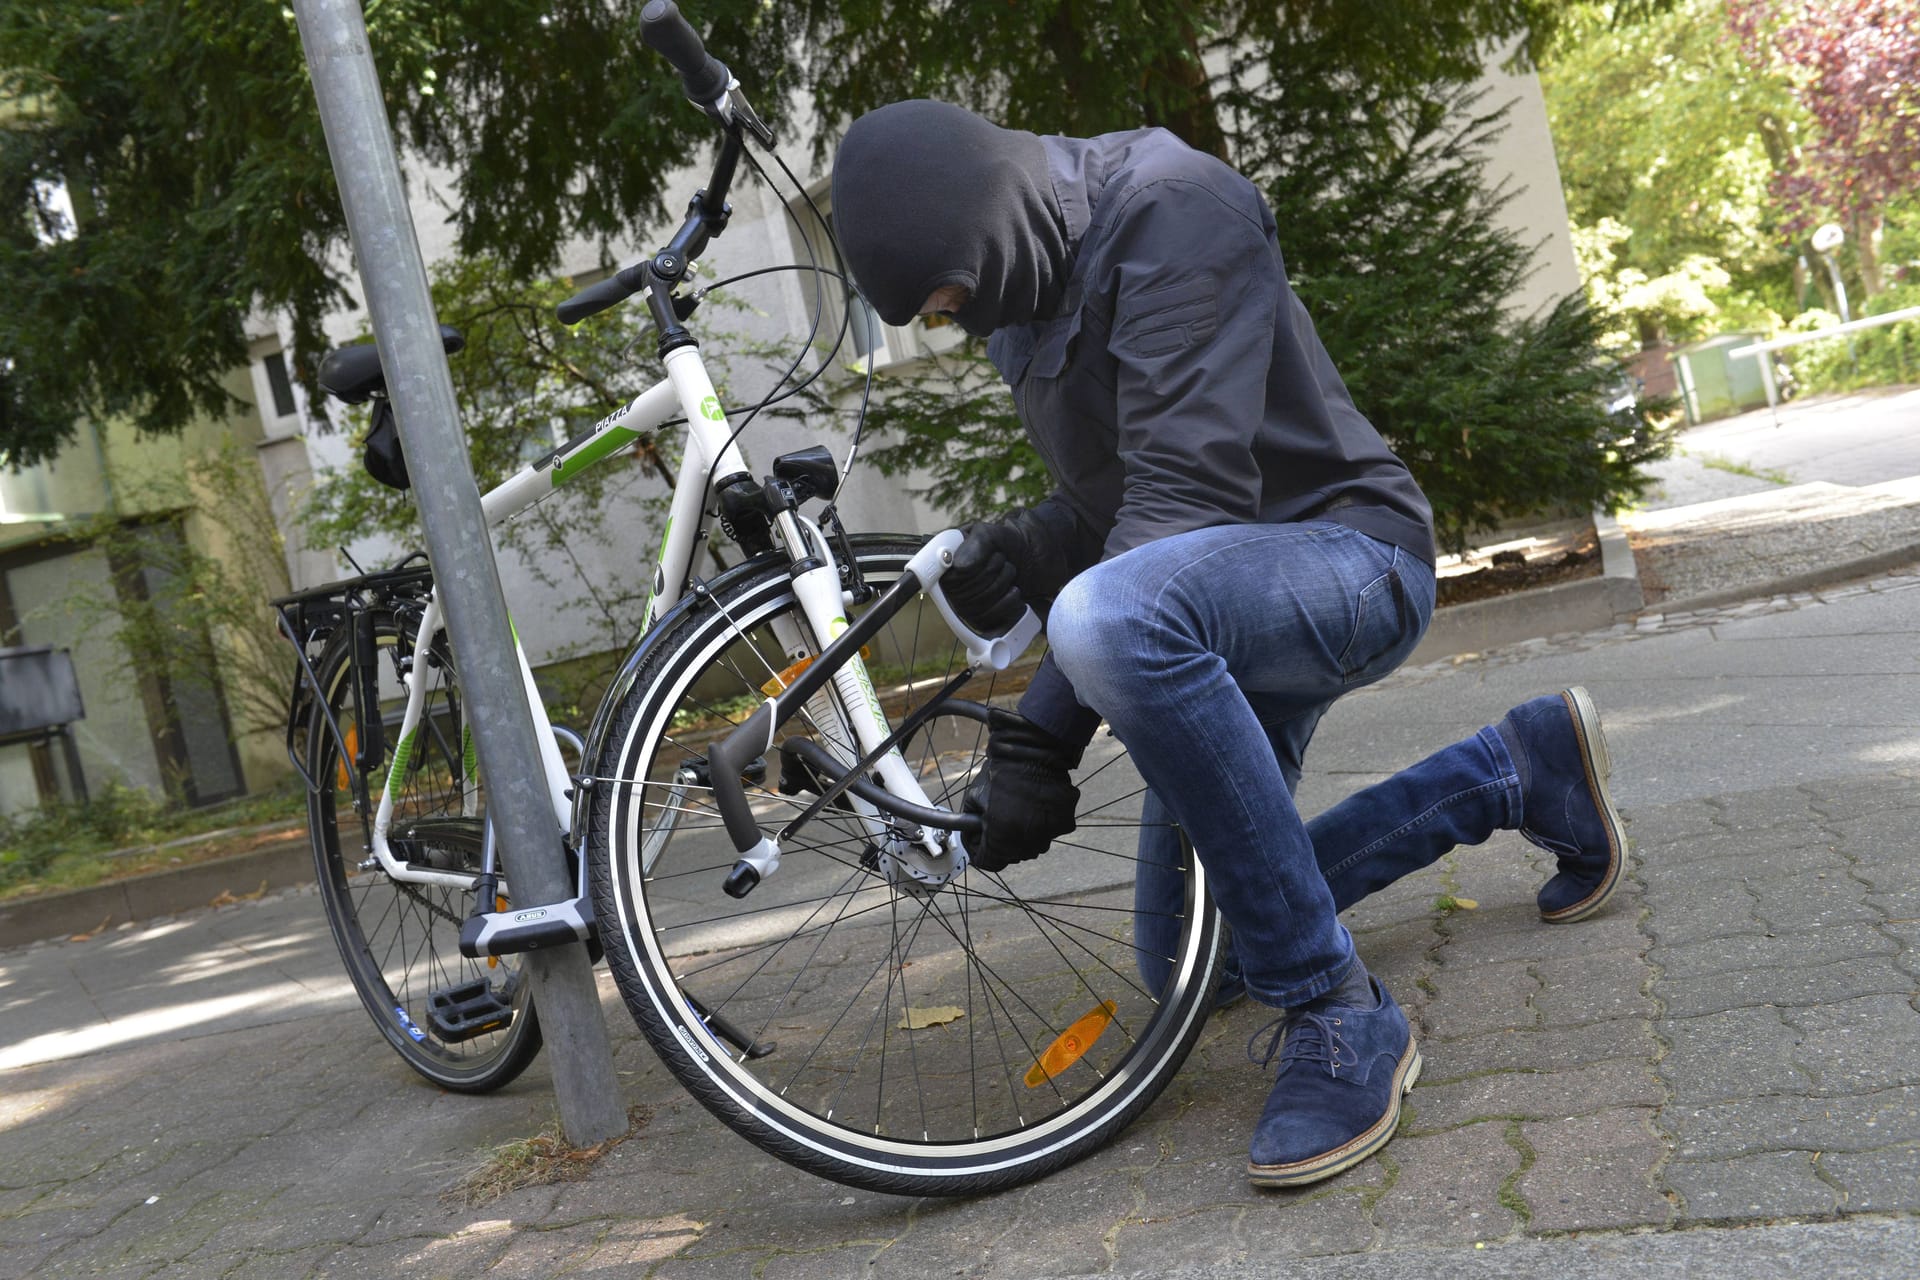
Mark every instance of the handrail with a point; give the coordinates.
(1839, 330)
(1756, 350)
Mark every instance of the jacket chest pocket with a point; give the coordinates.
(1068, 375)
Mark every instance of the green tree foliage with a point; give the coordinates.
(1855, 70)
(953, 422)
(184, 134)
(1391, 240)
(526, 384)
(1392, 243)
(1667, 138)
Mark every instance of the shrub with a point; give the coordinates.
(1887, 356)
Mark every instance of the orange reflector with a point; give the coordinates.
(499, 904)
(341, 777)
(773, 687)
(1071, 1045)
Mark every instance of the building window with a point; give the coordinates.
(279, 385)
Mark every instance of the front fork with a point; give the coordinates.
(846, 712)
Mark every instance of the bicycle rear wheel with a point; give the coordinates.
(467, 1025)
(860, 1024)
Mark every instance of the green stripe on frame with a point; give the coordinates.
(565, 469)
(402, 757)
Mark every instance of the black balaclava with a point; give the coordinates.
(927, 194)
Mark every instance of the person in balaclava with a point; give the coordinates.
(1230, 546)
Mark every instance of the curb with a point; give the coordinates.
(157, 893)
(1809, 580)
(1586, 605)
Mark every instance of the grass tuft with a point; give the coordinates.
(541, 1160)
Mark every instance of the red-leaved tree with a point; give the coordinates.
(1855, 68)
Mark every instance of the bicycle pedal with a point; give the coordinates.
(468, 1010)
(517, 929)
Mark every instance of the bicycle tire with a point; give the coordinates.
(1027, 960)
(401, 942)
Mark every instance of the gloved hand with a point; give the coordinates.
(1022, 790)
(983, 582)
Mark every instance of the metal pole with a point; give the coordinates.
(334, 35)
(1765, 358)
(1846, 316)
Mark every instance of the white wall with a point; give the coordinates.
(1523, 158)
(758, 235)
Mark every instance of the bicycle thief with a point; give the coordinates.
(1230, 546)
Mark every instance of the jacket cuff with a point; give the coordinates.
(1050, 704)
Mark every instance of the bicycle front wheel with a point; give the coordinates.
(845, 1017)
(467, 1025)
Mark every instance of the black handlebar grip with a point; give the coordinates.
(611, 292)
(667, 33)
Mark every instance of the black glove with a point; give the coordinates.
(983, 582)
(1022, 791)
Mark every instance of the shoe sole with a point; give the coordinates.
(1593, 755)
(1342, 1158)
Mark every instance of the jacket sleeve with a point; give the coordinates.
(1194, 284)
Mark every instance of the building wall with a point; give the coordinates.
(60, 589)
(1523, 159)
(114, 740)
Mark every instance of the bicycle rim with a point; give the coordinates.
(401, 942)
(856, 1023)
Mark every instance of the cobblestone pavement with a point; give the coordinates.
(1733, 1044)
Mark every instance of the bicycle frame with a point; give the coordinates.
(853, 706)
(687, 389)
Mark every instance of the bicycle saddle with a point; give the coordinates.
(353, 374)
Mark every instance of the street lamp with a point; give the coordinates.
(1828, 238)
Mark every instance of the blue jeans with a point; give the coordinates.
(1213, 655)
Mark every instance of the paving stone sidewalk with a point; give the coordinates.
(1732, 1046)
(1734, 1041)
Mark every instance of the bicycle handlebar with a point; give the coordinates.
(597, 297)
(704, 77)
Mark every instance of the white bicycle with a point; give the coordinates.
(765, 815)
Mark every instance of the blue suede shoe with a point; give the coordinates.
(1343, 1071)
(1561, 755)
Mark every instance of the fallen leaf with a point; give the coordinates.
(932, 1016)
(1466, 904)
(256, 895)
(224, 898)
(94, 932)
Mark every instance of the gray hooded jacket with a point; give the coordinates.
(1169, 376)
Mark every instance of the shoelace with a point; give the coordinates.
(1306, 1037)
